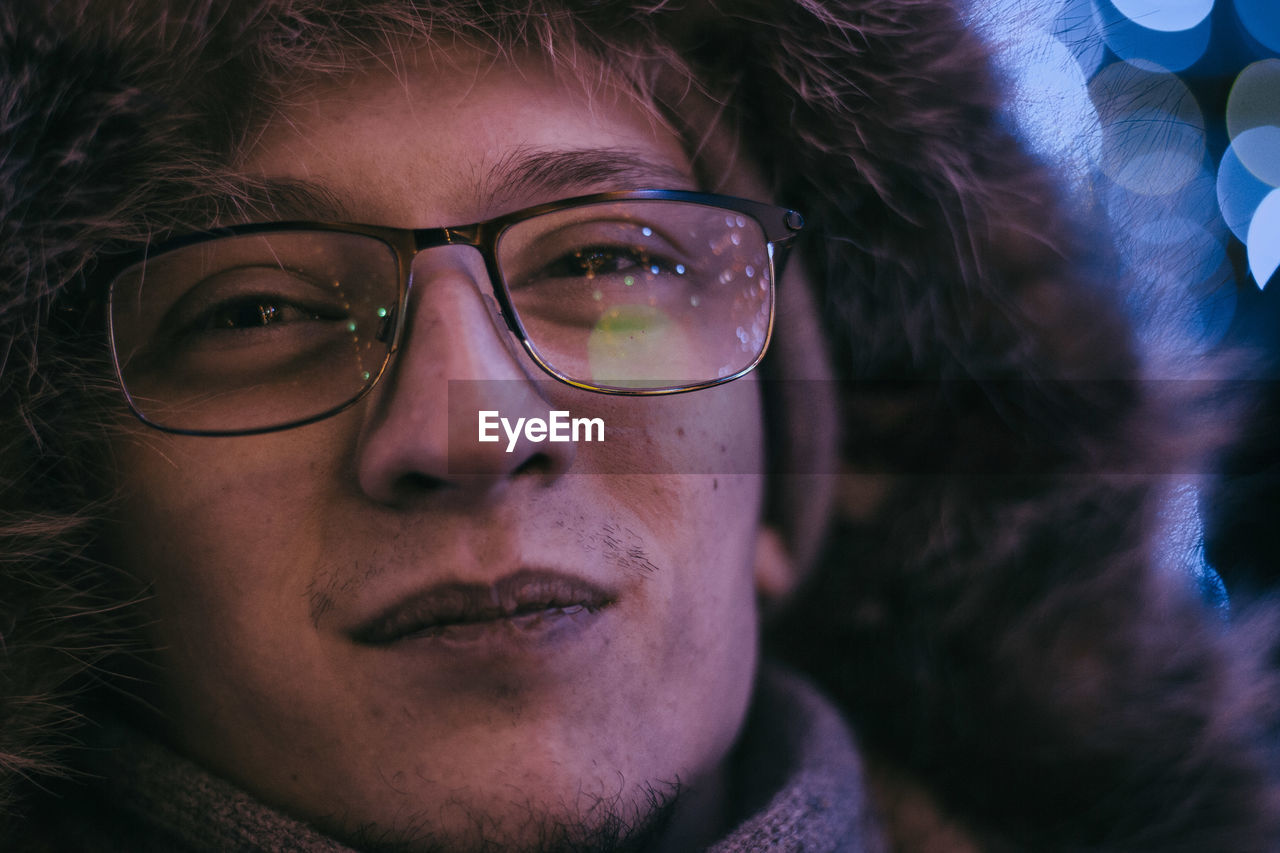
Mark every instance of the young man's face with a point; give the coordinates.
(273, 557)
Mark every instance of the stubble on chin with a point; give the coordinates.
(594, 825)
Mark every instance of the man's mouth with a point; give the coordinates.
(527, 600)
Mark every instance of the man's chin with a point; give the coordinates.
(591, 825)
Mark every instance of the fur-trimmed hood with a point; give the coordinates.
(988, 612)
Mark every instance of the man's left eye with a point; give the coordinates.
(597, 260)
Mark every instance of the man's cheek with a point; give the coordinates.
(715, 431)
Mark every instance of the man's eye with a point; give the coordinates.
(591, 261)
(254, 312)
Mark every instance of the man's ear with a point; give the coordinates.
(776, 571)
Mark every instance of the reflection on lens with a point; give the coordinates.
(638, 345)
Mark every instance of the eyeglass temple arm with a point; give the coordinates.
(781, 236)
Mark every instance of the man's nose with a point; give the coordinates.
(456, 359)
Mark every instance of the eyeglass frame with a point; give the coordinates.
(780, 226)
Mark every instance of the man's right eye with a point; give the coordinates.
(253, 312)
(253, 299)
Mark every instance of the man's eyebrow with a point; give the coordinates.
(529, 172)
(522, 174)
(292, 198)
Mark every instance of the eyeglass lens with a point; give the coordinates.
(640, 294)
(254, 331)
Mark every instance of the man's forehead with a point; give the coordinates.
(436, 143)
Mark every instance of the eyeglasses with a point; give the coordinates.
(263, 327)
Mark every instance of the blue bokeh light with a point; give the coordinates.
(1076, 26)
(1259, 151)
(1239, 193)
(1051, 105)
(1153, 140)
(1166, 16)
(1263, 239)
(1262, 19)
(1132, 41)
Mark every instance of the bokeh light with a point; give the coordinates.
(1262, 20)
(1255, 97)
(1123, 85)
(1259, 151)
(1253, 120)
(1153, 140)
(1263, 239)
(1051, 104)
(1166, 16)
(1240, 191)
(1132, 40)
(1076, 26)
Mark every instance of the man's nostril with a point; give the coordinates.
(538, 463)
(417, 482)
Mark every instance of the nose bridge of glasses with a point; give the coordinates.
(475, 238)
(451, 299)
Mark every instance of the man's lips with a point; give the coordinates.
(526, 598)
